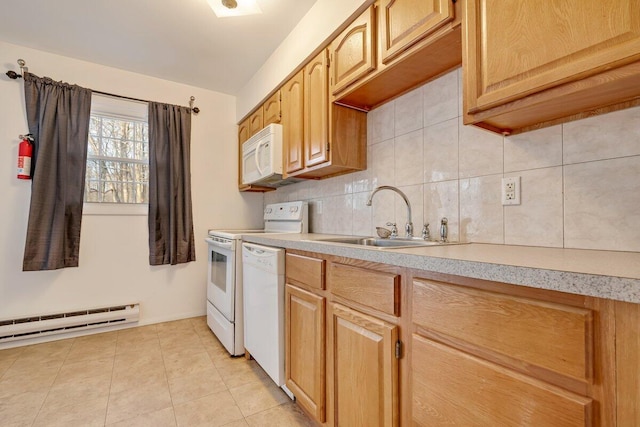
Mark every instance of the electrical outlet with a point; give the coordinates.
(511, 190)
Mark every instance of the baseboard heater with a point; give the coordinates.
(60, 323)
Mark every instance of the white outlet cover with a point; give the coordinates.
(511, 191)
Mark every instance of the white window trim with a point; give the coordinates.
(132, 209)
(119, 108)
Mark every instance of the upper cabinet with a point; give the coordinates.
(292, 123)
(256, 121)
(353, 51)
(330, 139)
(316, 107)
(271, 109)
(405, 22)
(530, 64)
(393, 47)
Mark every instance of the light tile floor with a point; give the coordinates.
(169, 374)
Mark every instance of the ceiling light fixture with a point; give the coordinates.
(226, 8)
(230, 4)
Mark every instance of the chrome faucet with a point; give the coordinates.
(444, 230)
(408, 228)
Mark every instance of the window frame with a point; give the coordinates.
(117, 108)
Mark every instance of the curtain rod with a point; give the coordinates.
(23, 69)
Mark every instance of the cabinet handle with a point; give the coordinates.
(398, 349)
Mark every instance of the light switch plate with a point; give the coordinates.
(511, 191)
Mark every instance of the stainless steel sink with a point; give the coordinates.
(383, 243)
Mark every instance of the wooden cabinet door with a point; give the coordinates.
(256, 122)
(514, 49)
(404, 22)
(271, 109)
(292, 123)
(305, 349)
(353, 52)
(451, 387)
(316, 110)
(243, 133)
(365, 369)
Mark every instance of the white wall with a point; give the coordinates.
(580, 185)
(114, 266)
(316, 27)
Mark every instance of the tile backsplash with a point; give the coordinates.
(580, 181)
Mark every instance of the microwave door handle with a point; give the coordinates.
(257, 156)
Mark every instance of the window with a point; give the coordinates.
(117, 155)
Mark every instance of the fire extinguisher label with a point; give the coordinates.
(24, 166)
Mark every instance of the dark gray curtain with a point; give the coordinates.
(171, 239)
(58, 117)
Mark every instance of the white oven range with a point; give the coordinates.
(224, 278)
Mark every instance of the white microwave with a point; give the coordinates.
(262, 157)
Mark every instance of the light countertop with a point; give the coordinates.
(604, 274)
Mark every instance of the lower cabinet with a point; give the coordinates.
(365, 369)
(451, 387)
(504, 356)
(305, 349)
(370, 344)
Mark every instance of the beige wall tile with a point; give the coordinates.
(380, 123)
(408, 116)
(408, 156)
(615, 134)
(441, 99)
(362, 179)
(441, 151)
(416, 199)
(481, 151)
(383, 209)
(602, 205)
(453, 153)
(481, 217)
(361, 214)
(381, 163)
(537, 221)
(540, 148)
(337, 217)
(441, 201)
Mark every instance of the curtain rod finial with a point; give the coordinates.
(195, 110)
(23, 66)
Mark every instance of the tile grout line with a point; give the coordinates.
(54, 380)
(113, 369)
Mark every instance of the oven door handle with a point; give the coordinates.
(224, 245)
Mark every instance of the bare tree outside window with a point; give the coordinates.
(117, 161)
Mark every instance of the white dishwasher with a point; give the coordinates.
(263, 282)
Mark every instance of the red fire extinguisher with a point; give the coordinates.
(25, 152)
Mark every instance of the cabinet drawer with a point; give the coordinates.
(548, 335)
(305, 270)
(375, 289)
(453, 388)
